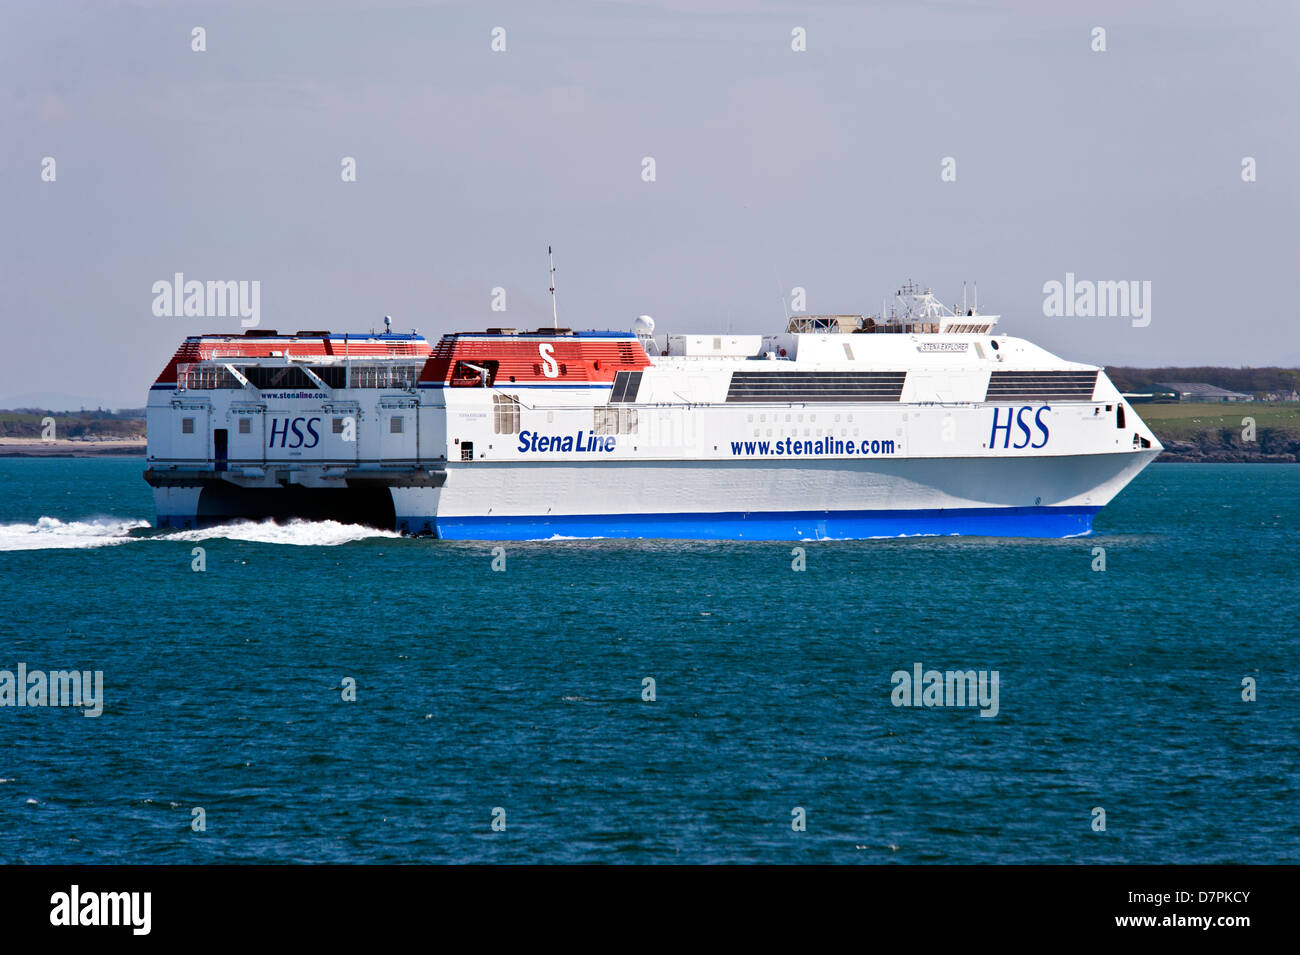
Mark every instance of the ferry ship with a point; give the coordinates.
(924, 421)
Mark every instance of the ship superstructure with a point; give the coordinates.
(921, 421)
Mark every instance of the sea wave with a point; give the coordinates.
(50, 533)
(299, 533)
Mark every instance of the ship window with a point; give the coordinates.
(245, 426)
(614, 420)
(813, 386)
(395, 424)
(271, 377)
(1041, 386)
(332, 375)
(207, 378)
(627, 384)
(187, 425)
(1119, 416)
(384, 376)
(338, 425)
(505, 414)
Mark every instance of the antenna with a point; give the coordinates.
(388, 324)
(781, 288)
(555, 316)
(977, 297)
(963, 298)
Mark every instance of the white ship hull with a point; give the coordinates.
(771, 500)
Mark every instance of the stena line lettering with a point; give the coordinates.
(579, 443)
(294, 432)
(549, 367)
(1016, 419)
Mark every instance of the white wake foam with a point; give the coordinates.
(50, 533)
(297, 532)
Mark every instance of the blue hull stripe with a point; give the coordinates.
(772, 525)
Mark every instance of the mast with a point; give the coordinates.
(555, 318)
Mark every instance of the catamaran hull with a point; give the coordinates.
(834, 499)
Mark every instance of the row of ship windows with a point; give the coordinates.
(798, 418)
(396, 425)
(292, 377)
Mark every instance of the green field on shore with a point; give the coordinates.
(1181, 420)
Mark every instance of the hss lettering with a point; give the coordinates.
(1016, 417)
(290, 432)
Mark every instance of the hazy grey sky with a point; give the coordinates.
(774, 169)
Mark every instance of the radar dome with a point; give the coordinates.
(644, 325)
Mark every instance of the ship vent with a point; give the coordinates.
(815, 386)
(625, 355)
(1041, 386)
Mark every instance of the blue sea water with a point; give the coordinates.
(521, 690)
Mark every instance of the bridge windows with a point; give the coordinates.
(1041, 386)
(815, 386)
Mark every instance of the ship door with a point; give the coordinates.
(220, 453)
(342, 433)
(247, 441)
(399, 424)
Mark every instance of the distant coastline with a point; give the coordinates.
(1212, 451)
(72, 448)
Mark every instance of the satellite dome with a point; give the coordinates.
(644, 325)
